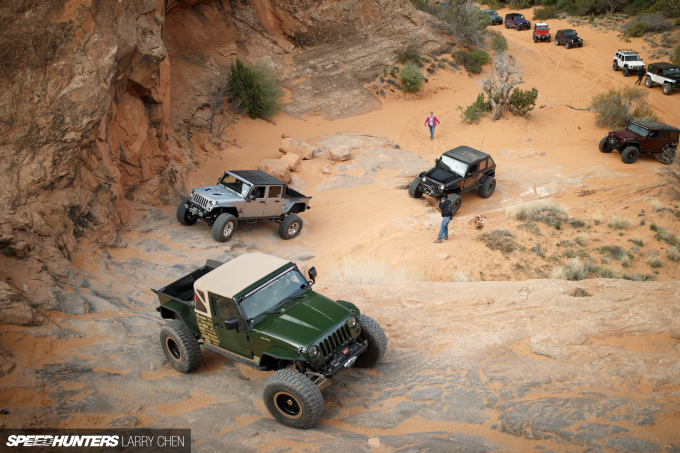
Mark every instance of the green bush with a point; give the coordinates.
(474, 112)
(616, 108)
(637, 29)
(409, 54)
(522, 102)
(545, 13)
(254, 91)
(675, 57)
(499, 43)
(472, 61)
(411, 77)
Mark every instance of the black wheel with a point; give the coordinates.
(604, 146)
(667, 155)
(377, 342)
(517, 28)
(548, 39)
(180, 346)
(290, 226)
(580, 45)
(666, 88)
(292, 398)
(535, 39)
(414, 190)
(456, 201)
(183, 215)
(488, 186)
(648, 82)
(626, 71)
(568, 45)
(615, 66)
(224, 227)
(630, 155)
(506, 25)
(557, 41)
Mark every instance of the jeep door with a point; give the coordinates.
(255, 202)
(274, 201)
(234, 340)
(650, 142)
(472, 176)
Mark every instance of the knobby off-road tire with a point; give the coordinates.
(557, 41)
(292, 399)
(630, 155)
(456, 202)
(667, 88)
(517, 28)
(183, 215)
(648, 82)
(548, 40)
(414, 189)
(224, 227)
(506, 25)
(626, 71)
(567, 45)
(377, 342)
(488, 186)
(604, 147)
(180, 346)
(615, 66)
(667, 155)
(290, 227)
(535, 39)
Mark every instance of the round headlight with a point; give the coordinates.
(441, 186)
(313, 351)
(423, 178)
(352, 322)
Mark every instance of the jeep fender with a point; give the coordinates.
(295, 208)
(276, 353)
(422, 173)
(350, 306)
(226, 209)
(169, 313)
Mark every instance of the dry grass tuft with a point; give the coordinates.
(582, 239)
(460, 277)
(618, 223)
(369, 272)
(625, 261)
(548, 211)
(498, 240)
(575, 269)
(666, 236)
(638, 277)
(580, 292)
(656, 205)
(607, 272)
(673, 253)
(654, 259)
(597, 218)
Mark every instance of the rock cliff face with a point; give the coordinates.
(85, 110)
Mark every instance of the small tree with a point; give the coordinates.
(475, 111)
(221, 117)
(505, 75)
(255, 90)
(522, 102)
(675, 58)
(411, 77)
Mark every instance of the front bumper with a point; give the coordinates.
(543, 37)
(575, 42)
(344, 358)
(614, 144)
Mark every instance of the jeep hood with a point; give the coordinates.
(442, 176)
(572, 38)
(625, 135)
(303, 321)
(218, 193)
(675, 77)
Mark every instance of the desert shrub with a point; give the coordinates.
(548, 211)
(460, 277)
(582, 240)
(498, 240)
(614, 108)
(522, 102)
(495, 4)
(499, 43)
(671, 175)
(675, 57)
(637, 240)
(662, 234)
(580, 292)
(606, 272)
(613, 251)
(656, 205)
(410, 53)
(369, 272)
(545, 13)
(638, 277)
(597, 218)
(574, 269)
(411, 77)
(254, 90)
(626, 261)
(637, 29)
(618, 223)
(654, 259)
(471, 61)
(656, 22)
(467, 24)
(673, 253)
(475, 111)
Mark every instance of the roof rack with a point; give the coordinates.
(627, 50)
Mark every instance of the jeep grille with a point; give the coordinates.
(432, 184)
(335, 340)
(200, 200)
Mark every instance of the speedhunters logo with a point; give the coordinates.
(85, 441)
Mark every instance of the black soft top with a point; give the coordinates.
(257, 177)
(567, 29)
(657, 126)
(514, 14)
(466, 154)
(663, 66)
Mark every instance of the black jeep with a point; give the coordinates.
(458, 170)
(569, 38)
(646, 137)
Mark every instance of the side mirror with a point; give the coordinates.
(312, 274)
(251, 196)
(231, 324)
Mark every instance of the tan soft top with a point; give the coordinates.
(236, 275)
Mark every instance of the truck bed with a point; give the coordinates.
(294, 194)
(182, 290)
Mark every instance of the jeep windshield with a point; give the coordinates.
(541, 27)
(233, 183)
(671, 71)
(637, 129)
(268, 296)
(631, 58)
(453, 165)
(570, 34)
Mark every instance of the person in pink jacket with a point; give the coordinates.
(431, 121)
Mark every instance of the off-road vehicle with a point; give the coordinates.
(260, 311)
(643, 137)
(568, 37)
(248, 195)
(627, 60)
(457, 171)
(516, 20)
(541, 32)
(665, 74)
(493, 16)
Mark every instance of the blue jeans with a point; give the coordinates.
(444, 228)
(431, 132)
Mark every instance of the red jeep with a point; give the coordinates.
(541, 32)
(643, 137)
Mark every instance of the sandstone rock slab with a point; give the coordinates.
(292, 145)
(276, 168)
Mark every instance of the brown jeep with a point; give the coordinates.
(643, 137)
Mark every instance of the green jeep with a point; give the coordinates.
(261, 311)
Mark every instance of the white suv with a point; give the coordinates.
(629, 60)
